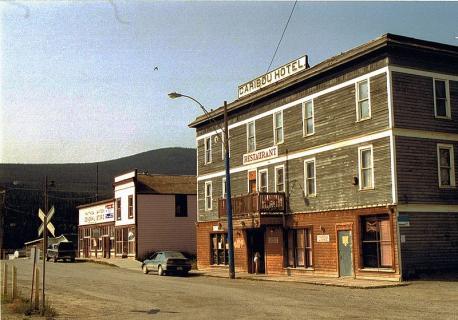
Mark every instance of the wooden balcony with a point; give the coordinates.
(260, 203)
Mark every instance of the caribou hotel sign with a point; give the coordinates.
(276, 75)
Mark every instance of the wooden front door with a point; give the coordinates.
(345, 253)
(106, 247)
(251, 181)
(86, 245)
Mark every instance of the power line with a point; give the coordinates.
(284, 30)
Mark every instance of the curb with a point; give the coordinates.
(349, 286)
(97, 262)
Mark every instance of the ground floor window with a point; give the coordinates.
(376, 241)
(125, 241)
(219, 249)
(299, 248)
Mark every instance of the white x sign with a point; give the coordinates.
(50, 226)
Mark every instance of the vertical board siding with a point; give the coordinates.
(431, 243)
(159, 229)
(418, 180)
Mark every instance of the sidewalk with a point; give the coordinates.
(135, 265)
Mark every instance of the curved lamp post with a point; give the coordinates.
(225, 131)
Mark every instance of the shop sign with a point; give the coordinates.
(322, 238)
(260, 155)
(96, 214)
(276, 75)
(404, 220)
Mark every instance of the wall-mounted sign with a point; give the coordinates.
(278, 74)
(96, 214)
(322, 238)
(260, 155)
(404, 220)
(216, 228)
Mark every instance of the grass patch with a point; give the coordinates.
(21, 305)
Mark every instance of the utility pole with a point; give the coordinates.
(2, 219)
(97, 182)
(45, 245)
(230, 233)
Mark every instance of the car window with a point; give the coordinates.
(153, 256)
(173, 254)
(160, 256)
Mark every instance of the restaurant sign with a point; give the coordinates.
(278, 74)
(260, 155)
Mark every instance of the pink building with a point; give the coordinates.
(147, 213)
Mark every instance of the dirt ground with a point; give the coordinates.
(94, 291)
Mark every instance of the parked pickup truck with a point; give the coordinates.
(61, 250)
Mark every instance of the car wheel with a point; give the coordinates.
(72, 260)
(160, 271)
(54, 260)
(145, 269)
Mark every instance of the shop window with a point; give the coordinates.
(376, 242)
(299, 247)
(131, 206)
(219, 249)
(118, 209)
(131, 240)
(181, 205)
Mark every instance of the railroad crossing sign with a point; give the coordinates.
(48, 217)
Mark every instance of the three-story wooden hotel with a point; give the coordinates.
(346, 168)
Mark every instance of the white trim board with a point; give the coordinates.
(304, 153)
(299, 101)
(423, 134)
(423, 73)
(448, 208)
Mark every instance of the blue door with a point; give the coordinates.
(345, 253)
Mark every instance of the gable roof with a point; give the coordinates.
(166, 184)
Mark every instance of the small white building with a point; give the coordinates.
(148, 213)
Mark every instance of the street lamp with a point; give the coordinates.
(225, 130)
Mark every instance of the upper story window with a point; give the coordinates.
(278, 127)
(441, 99)
(263, 181)
(280, 179)
(308, 118)
(208, 150)
(366, 168)
(309, 177)
(208, 195)
(118, 209)
(363, 100)
(181, 205)
(251, 137)
(446, 165)
(223, 188)
(130, 201)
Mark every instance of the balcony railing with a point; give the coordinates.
(254, 203)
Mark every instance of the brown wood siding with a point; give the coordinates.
(431, 242)
(335, 118)
(413, 104)
(334, 177)
(159, 229)
(417, 174)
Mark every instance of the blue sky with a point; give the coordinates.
(77, 78)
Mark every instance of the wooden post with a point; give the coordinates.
(35, 249)
(14, 283)
(37, 288)
(5, 281)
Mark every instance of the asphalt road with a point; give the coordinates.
(94, 291)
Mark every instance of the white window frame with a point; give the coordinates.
(448, 114)
(452, 165)
(276, 177)
(306, 191)
(360, 182)
(258, 185)
(248, 136)
(209, 151)
(276, 141)
(223, 187)
(304, 122)
(358, 118)
(210, 196)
